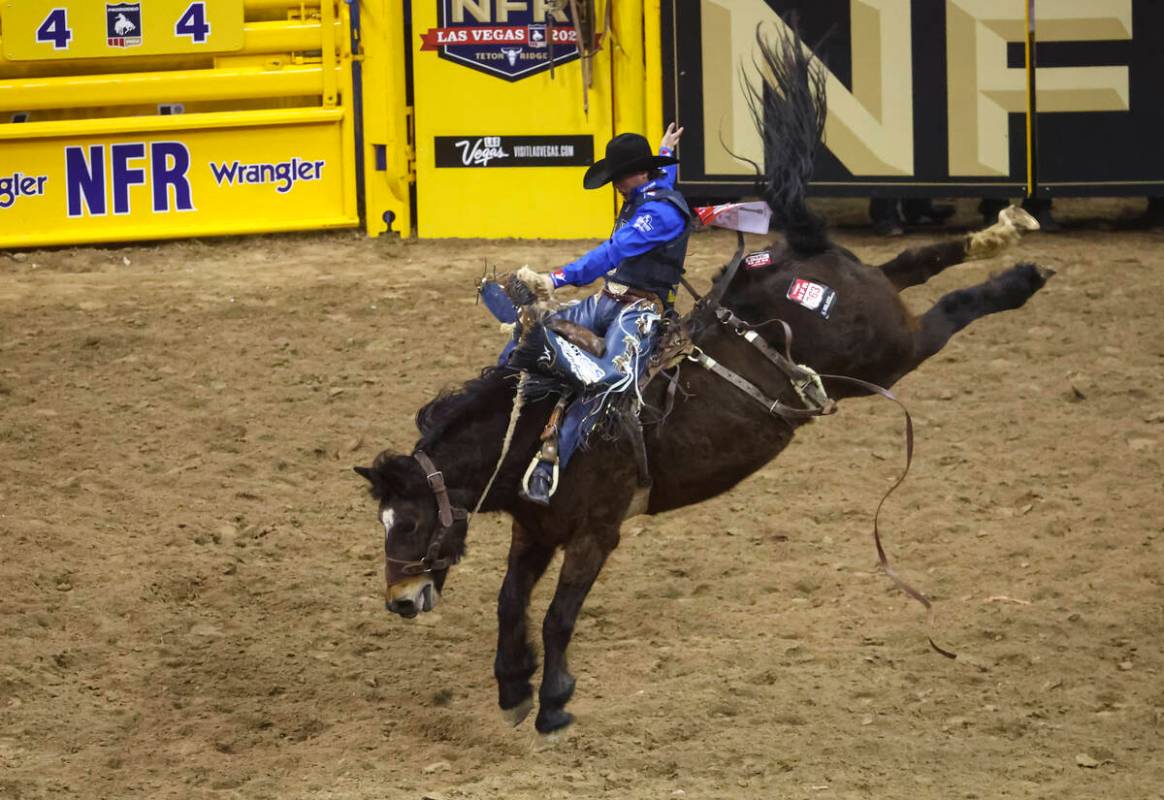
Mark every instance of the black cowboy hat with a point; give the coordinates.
(627, 153)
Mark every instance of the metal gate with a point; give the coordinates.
(177, 118)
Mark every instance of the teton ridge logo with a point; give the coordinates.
(123, 24)
(494, 37)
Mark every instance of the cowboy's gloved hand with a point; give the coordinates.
(538, 282)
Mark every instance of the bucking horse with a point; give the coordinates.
(717, 431)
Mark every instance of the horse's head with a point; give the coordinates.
(423, 534)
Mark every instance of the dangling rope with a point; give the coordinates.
(518, 402)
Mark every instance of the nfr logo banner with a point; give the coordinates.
(511, 40)
(931, 97)
(173, 184)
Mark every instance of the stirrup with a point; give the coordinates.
(533, 465)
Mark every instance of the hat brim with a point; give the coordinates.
(602, 172)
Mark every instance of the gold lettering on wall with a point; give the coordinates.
(869, 129)
(982, 91)
(479, 9)
(482, 10)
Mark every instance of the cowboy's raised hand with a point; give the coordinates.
(671, 137)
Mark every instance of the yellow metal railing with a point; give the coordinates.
(257, 139)
(137, 88)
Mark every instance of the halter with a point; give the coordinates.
(447, 514)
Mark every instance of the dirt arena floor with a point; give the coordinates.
(190, 587)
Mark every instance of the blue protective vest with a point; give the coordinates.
(657, 270)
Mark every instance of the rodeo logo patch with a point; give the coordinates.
(123, 24)
(502, 38)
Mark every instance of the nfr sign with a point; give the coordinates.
(98, 178)
(931, 96)
(511, 39)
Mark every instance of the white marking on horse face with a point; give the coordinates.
(387, 516)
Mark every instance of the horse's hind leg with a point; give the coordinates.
(585, 555)
(918, 264)
(956, 310)
(516, 663)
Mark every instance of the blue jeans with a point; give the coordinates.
(629, 331)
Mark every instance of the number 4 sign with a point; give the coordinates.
(193, 24)
(55, 29)
(69, 29)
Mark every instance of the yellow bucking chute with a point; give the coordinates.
(178, 118)
(148, 119)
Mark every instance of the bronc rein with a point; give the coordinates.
(809, 387)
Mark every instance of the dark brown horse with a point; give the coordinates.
(716, 434)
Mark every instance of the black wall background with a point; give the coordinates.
(1110, 153)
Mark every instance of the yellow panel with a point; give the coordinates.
(653, 58)
(630, 105)
(71, 29)
(455, 100)
(100, 186)
(388, 153)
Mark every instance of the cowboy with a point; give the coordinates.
(642, 262)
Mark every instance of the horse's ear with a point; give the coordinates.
(364, 472)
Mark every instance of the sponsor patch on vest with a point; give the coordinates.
(813, 296)
(758, 260)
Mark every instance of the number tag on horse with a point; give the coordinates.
(758, 260)
(813, 296)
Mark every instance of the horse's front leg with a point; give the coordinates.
(585, 555)
(516, 663)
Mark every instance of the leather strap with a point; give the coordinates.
(775, 407)
(712, 298)
(436, 482)
(803, 380)
(630, 295)
(634, 429)
(794, 372)
(881, 557)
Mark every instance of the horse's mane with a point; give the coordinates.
(455, 404)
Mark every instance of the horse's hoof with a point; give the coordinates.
(548, 741)
(516, 715)
(1029, 277)
(552, 720)
(1018, 218)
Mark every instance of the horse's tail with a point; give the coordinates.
(789, 109)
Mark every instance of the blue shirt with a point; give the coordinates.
(656, 222)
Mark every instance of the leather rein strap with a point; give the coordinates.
(794, 372)
(882, 559)
(774, 407)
